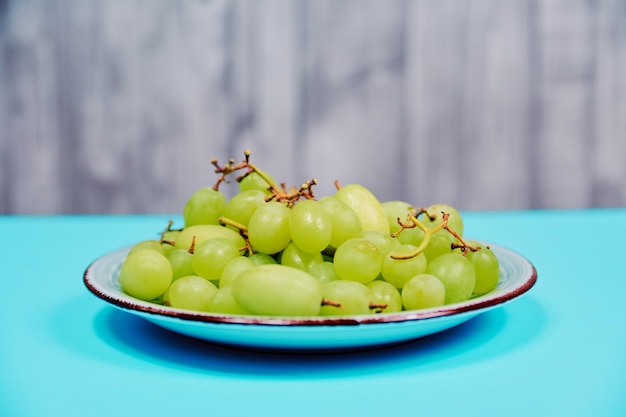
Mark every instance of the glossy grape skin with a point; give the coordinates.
(354, 298)
(423, 291)
(455, 221)
(277, 290)
(383, 293)
(358, 259)
(253, 181)
(310, 226)
(223, 302)
(398, 272)
(324, 272)
(487, 270)
(394, 210)
(145, 274)
(205, 206)
(190, 292)
(211, 256)
(456, 273)
(180, 260)
(268, 229)
(295, 257)
(366, 205)
(242, 206)
(233, 269)
(440, 243)
(345, 222)
(148, 244)
(383, 241)
(205, 232)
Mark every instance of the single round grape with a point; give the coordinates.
(262, 259)
(324, 272)
(456, 273)
(345, 222)
(211, 256)
(268, 229)
(423, 291)
(233, 269)
(253, 181)
(440, 243)
(190, 292)
(394, 210)
(310, 226)
(387, 295)
(487, 270)
(145, 274)
(242, 206)
(277, 290)
(223, 302)
(354, 298)
(455, 221)
(180, 260)
(204, 232)
(358, 259)
(398, 272)
(205, 206)
(295, 257)
(365, 205)
(148, 244)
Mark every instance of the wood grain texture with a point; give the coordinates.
(118, 106)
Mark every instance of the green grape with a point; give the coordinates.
(242, 206)
(455, 221)
(268, 229)
(394, 210)
(190, 292)
(278, 290)
(310, 226)
(487, 270)
(456, 273)
(211, 256)
(261, 259)
(411, 236)
(398, 272)
(180, 261)
(423, 291)
(205, 206)
(324, 272)
(353, 297)
(358, 259)
(385, 294)
(170, 235)
(345, 222)
(365, 205)
(205, 232)
(148, 244)
(440, 243)
(383, 241)
(145, 274)
(295, 257)
(253, 181)
(223, 302)
(233, 269)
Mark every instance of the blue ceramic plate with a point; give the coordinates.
(517, 276)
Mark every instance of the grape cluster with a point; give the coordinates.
(274, 251)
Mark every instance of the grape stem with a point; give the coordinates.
(243, 231)
(326, 302)
(428, 232)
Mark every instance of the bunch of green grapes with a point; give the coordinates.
(271, 251)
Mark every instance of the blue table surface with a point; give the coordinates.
(560, 350)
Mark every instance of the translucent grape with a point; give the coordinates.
(456, 273)
(394, 210)
(180, 260)
(423, 291)
(148, 244)
(242, 206)
(440, 243)
(268, 229)
(358, 259)
(354, 298)
(310, 226)
(223, 302)
(211, 256)
(487, 270)
(145, 274)
(365, 205)
(262, 259)
(205, 206)
(253, 181)
(387, 295)
(205, 232)
(324, 272)
(233, 269)
(398, 272)
(190, 293)
(455, 221)
(383, 241)
(295, 257)
(345, 222)
(278, 290)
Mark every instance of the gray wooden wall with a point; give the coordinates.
(117, 106)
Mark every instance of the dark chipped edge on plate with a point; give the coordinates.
(405, 316)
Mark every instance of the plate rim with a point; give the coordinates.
(478, 304)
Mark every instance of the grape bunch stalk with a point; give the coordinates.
(273, 250)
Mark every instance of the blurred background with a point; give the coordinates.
(118, 106)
